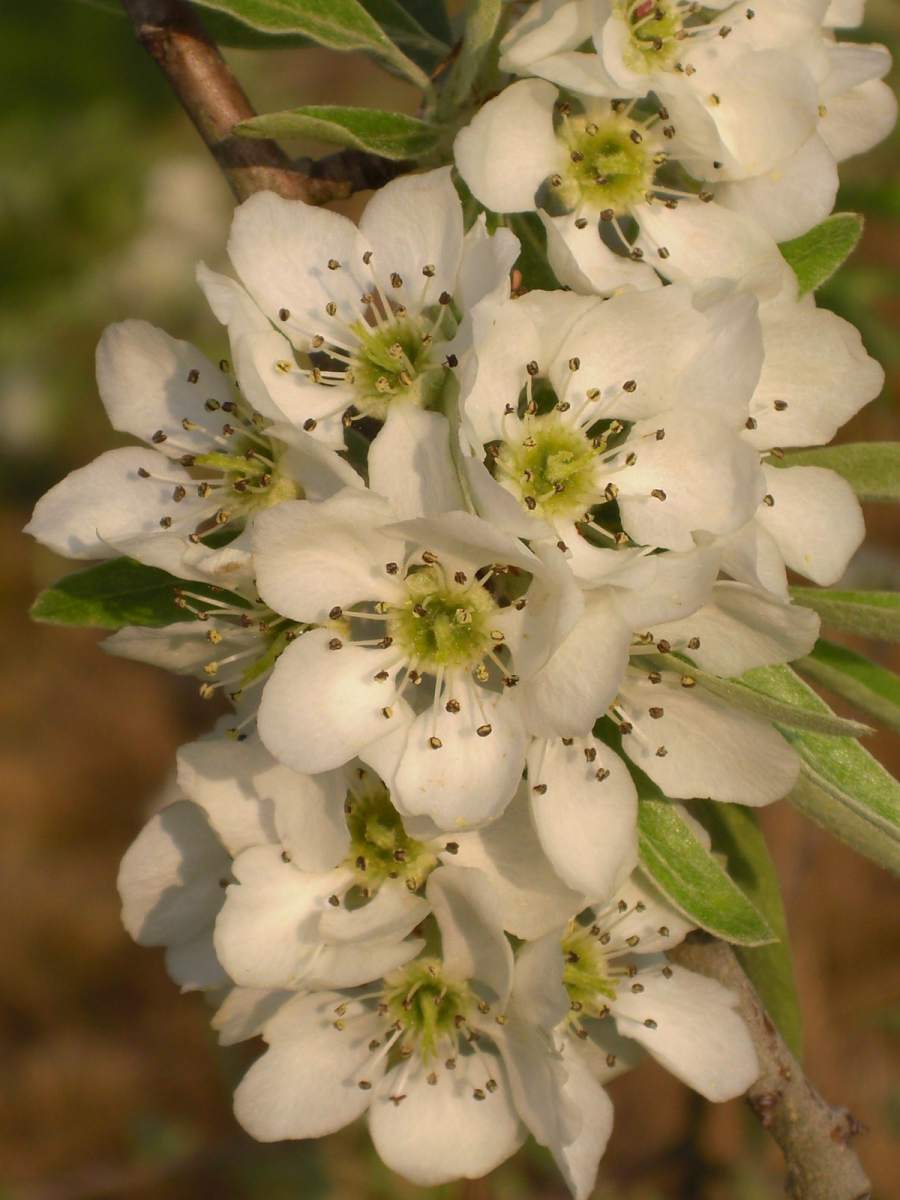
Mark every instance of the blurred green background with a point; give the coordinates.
(112, 1086)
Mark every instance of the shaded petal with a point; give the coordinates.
(194, 965)
(474, 946)
(245, 1011)
(581, 260)
(410, 463)
(579, 1158)
(859, 120)
(584, 806)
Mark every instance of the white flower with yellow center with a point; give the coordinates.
(211, 464)
(606, 990)
(601, 180)
(367, 320)
(597, 424)
(442, 643)
(429, 1053)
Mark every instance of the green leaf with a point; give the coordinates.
(782, 711)
(392, 135)
(432, 16)
(815, 256)
(339, 24)
(870, 614)
(866, 685)
(689, 876)
(866, 838)
(482, 21)
(120, 592)
(871, 468)
(532, 261)
(836, 765)
(403, 25)
(736, 834)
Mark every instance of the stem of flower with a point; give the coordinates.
(814, 1137)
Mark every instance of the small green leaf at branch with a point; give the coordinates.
(338, 24)
(690, 877)
(866, 838)
(815, 256)
(865, 684)
(869, 614)
(120, 592)
(735, 832)
(783, 712)
(482, 21)
(871, 468)
(390, 135)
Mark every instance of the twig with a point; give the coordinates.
(815, 1138)
(173, 36)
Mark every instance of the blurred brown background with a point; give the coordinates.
(111, 1083)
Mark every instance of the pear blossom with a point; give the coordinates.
(442, 642)
(212, 462)
(582, 434)
(428, 1054)
(605, 990)
(377, 314)
(588, 166)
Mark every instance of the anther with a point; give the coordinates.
(309, 424)
(392, 568)
(532, 368)
(658, 494)
(159, 437)
(484, 730)
(435, 743)
(630, 385)
(661, 751)
(331, 308)
(334, 901)
(540, 788)
(452, 706)
(780, 405)
(650, 1023)
(750, 423)
(445, 298)
(656, 713)
(600, 774)
(769, 500)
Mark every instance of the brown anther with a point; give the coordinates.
(484, 730)
(435, 743)
(658, 494)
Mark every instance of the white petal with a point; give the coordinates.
(170, 878)
(845, 14)
(194, 965)
(547, 27)
(850, 64)
(410, 463)
(305, 1085)
(859, 120)
(509, 148)
(245, 1011)
(318, 470)
(281, 250)
(584, 806)
(711, 750)
(228, 780)
(792, 197)
(439, 1132)
(311, 557)
(678, 586)
(579, 1158)
(815, 519)
(320, 706)
(144, 380)
(709, 241)
(487, 260)
(697, 1034)
(531, 897)
(537, 1078)
(351, 964)
(473, 944)
(106, 502)
(580, 259)
(268, 928)
(743, 628)
(751, 555)
(390, 915)
(413, 222)
(470, 777)
(818, 372)
(649, 917)
(464, 540)
(182, 647)
(538, 992)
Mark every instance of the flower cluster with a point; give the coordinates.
(467, 563)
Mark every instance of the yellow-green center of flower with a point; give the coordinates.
(444, 622)
(426, 1005)
(380, 848)
(586, 974)
(395, 360)
(610, 166)
(550, 468)
(654, 31)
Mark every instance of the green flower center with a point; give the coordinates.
(550, 468)
(654, 29)
(443, 623)
(395, 360)
(586, 974)
(426, 1005)
(611, 167)
(380, 848)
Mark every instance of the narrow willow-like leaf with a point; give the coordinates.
(837, 765)
(847, 826)
(735, 832)
(690, 877)
(815, 256)
(119, 592)
(432, 16)
(405, 28)
(482, 19)
(784, 712)
(871, 468)
(865, 684)
(392, 135)
(339, 24)
(870, 614)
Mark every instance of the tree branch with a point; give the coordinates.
(173, 36)
(815, 1138)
